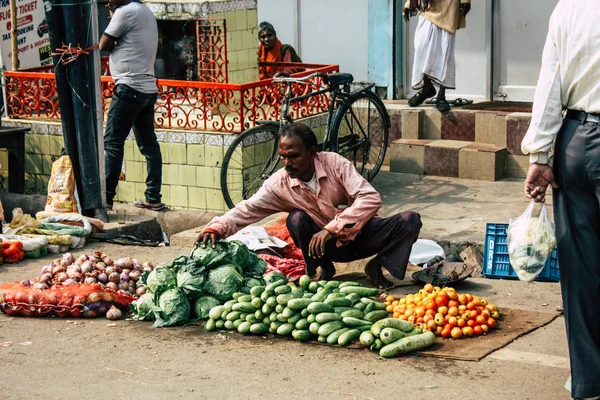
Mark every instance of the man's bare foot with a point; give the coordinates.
(375, 274)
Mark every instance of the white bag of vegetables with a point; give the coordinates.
(531, 240)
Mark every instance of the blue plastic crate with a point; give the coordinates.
(496, 262)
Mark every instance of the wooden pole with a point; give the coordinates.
(13, 35)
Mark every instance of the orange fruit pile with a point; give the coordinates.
(445, 312)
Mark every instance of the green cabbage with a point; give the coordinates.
(161, 279)
(255, 266)
(212, 258)
(239, 252)
(203, 306)
(250, 282)
(223, 282)
(191, 278)
(143, 308)
(173, 309)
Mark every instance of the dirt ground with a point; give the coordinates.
(90, 359)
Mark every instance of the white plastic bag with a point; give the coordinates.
(424, 250)
(531, 240)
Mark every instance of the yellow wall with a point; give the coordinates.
(242, 44)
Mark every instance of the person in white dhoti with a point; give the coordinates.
(434, 63)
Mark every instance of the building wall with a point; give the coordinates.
(242, 43)
(324, 32)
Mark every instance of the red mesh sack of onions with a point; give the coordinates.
(84, 287)
(278, 228)
(73, 301)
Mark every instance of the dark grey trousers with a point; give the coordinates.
(390, 238)
(577, 218)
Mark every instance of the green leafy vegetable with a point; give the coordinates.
(191, 277)
(161, 279)
(143, 308)
(173, 309)
(212, 258)
(275, 276)
(255, 266)
(204, 304)
(223, 282)
(240, 254)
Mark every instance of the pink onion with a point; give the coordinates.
(69, 282)
(57, 269)
(135, 275)
(90, 281)
(47, 268)
(40, 286)
(46, 277)
(148, 268)
(140, 291)
(110, 270)
(107, 260)
(124, 277)
(124, 286)
(26, 282)
(114, 313)
(114, 277)
(86, 267)
(74, 275)
(112, 286)
(61, 277)
(100, 266)
(103, 277)
(131, 290)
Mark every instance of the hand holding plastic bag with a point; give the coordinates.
(531, 240)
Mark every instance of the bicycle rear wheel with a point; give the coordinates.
(360, 134)
(249, 161)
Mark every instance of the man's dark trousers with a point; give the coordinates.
(577, 218)
(132, 109)
(390, 238)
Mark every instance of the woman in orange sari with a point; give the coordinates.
(272, 50)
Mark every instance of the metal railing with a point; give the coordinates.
(181, 105)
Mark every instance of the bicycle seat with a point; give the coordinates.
(340, 79)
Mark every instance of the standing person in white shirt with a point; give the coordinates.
(570, 80)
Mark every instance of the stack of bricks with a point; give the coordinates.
(242, 44)
(481, 145)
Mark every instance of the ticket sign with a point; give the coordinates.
(32, 34)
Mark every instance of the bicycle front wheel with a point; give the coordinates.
(250, 160)
(360, 134)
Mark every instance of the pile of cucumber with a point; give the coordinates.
(332, 312)
(393, 337)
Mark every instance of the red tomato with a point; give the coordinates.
(495, 314)
(439, 319)
(471, 323)
(462, 299)
(485, 328)
(477, 330)
(481, 319)
(453, 303)
(445, 333)
(432, 325)
(452, 321)
(460, 322)
(441, 299)
(430, 305)
(470, 306)
(491, 322)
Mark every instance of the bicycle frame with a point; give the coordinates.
(337, 95)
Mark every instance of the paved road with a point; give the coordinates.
(88, 359)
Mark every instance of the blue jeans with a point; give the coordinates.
(132, 109)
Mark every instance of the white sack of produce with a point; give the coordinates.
(531, 240)
(29, 244)
(424, 250)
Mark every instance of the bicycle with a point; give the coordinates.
(357, 128)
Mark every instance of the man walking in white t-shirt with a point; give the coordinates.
(132, 40)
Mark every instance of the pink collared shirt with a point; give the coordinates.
(338, 184)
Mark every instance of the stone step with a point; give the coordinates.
(451, 158)
(501, 129)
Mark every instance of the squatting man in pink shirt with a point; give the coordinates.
(332, 212)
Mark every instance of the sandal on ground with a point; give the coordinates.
(462, 102)
(130, 240)
(420, 97)
(442, 105)
(154, 207)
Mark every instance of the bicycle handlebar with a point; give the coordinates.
(288, 79)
